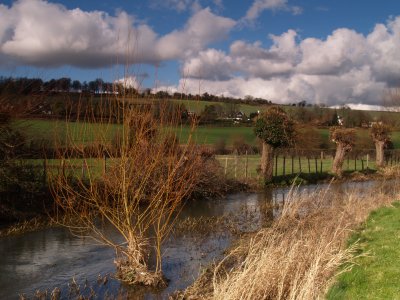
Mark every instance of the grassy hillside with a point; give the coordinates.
(88, 132)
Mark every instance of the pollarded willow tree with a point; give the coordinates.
(380, 134)
(275, 129)
(344, 138)
(132, 203)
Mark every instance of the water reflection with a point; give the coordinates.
(52, 257)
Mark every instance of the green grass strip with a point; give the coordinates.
(376, 274)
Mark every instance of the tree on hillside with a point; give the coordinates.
(275, 129)
(380, 134)
(344, 138)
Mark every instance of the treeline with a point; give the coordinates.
(32, 86)
(29, 86)
(56, 98)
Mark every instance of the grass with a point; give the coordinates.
(297, 256)
(88, 132)
(376, 274)
(208, 135)
(236, 166)
(233, 166)
(51, 131)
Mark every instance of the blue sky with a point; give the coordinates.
(333, 52)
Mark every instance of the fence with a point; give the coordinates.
(245, 166)
(291, 162)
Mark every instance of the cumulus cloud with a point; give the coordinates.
(259, 6)
(40, 33)
(203, 28)
(131, 81)
(345, 67)
(246, 59)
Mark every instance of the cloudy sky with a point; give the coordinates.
(322, 51)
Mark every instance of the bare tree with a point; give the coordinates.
(380, 134)
(140, 193)
(344, 138)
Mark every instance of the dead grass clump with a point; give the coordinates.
(297, 257)
(390, 171)
(26, 226)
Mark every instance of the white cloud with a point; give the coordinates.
(129, 82)
(211, 64)
(360, 106)
(203, 28)
(345, 67)
(259, 6)
(40, 33)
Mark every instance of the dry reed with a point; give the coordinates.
(298, 256)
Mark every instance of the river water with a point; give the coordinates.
(52, 257)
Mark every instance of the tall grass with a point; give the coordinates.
(298, 256)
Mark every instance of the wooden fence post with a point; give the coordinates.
(355, 162)
(104, 164)
(83, 169)
(62, 166)
(316, 165)
(300, 163)
(226, 164)
(284, 166)
(246, 166)
(292, 164)
(309, 165)
(236, 161)
(367, 161)
(45, 171)
(276, 165)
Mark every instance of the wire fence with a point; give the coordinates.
(295, 162)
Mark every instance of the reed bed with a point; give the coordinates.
(299, 255)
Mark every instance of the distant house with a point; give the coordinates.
(340, 120)
(239, 116)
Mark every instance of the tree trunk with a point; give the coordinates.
(380, 160)
(338, 160)
(267, 161)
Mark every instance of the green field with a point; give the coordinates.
(87, 132)
(240, 166)
(236, 166)
(376, 273)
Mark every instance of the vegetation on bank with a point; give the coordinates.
(298, 255)
(376, 271)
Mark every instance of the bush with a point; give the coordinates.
(220, 147)
(240, 146)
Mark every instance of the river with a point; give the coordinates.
(52, 257)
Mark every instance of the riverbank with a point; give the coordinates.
(386, 173)
(299, 255)
(376, 273)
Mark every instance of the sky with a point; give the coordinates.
(321, 51)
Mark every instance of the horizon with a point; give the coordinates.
(281, 50)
